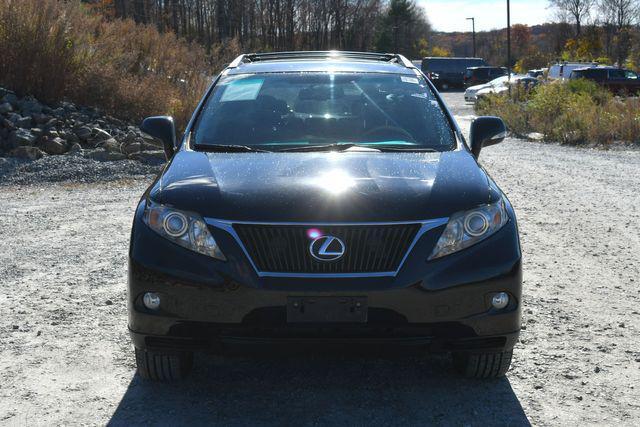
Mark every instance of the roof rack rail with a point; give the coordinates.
(236, 62)
(321, 54)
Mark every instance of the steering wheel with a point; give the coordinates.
(397, 130)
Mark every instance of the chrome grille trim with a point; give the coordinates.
(425, 226)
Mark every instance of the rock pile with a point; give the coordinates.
(32, 130)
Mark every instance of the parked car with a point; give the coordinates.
(471, 92)
(447, 73)
(617, 80)
(324, 196)
(434, 77)
(480, 75)
(503, 85)
(540, 72)
(562, 71)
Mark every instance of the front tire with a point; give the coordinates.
(164, 367)
(482, 365)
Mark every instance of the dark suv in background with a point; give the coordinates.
(324, 197)
(481, 75)
(617, 80)
(447, 73)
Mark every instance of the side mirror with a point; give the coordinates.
(486, 131)
(163, 128)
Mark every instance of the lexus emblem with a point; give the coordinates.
(327, 248)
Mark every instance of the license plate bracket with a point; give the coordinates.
(327, 309)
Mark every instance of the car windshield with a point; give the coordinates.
(275, 111)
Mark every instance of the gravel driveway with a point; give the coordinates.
(65, 356)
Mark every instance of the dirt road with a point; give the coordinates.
(65, 357)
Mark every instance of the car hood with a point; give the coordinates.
(486, 90)
(322, 187)
(476, 88)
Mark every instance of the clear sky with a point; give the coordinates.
(449, 15)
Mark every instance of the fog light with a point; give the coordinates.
(500, 300)
(151, 300)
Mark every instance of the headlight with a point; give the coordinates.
(468, 228)
(186, 229)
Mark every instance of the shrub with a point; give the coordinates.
(55, 49)
(557, 112)
(43, 46)
(514, 113)
(587, 87)
(577, 111)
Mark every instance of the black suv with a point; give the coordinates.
(617, 80)
(324, 196)
(446, 73)
(481, 75)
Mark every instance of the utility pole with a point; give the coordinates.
(395, 38)
(473, 26)
(509, 45)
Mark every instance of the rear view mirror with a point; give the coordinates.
(486, 131)
(163, 128)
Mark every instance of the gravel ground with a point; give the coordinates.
(65, 357)
(72, 168)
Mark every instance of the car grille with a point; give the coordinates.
(286, 248)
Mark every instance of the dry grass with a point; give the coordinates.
(54, 50)
(576, 112)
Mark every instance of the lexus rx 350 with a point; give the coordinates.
(324, 196)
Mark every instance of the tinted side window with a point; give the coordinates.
(617, 75)
(460, 66)
(450, 65)
(445, 65)
(475, 63)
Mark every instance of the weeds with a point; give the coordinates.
(56, 50)
(578, 111)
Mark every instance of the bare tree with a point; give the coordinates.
(618, 17)
(273, 24)
(620, 13)
(577, 10)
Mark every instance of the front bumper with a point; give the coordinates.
(470, 97)
(199, 317)
(444, 304)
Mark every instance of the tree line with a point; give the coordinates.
(603, 30)
(605, 27)
(278, 25)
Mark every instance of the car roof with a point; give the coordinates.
(482, 67)
(559, 64)
(325, 61)
(457, 58)
(592, 68)
(320, 66)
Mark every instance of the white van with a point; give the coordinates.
(563, 70)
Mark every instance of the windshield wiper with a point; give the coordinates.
(221, 148)
(329, 147)
(409, 149)
(346, 146)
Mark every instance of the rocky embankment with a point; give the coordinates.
(65, 141)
